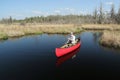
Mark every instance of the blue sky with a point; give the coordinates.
(20, 9)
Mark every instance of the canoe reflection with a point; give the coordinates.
(62, 59)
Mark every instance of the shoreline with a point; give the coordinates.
(109, 37)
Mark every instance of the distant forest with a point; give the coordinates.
(99, 16)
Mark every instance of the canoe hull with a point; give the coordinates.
(64, 58)
(63, 51)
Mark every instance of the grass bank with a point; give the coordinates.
(110, 39)
(110, 36)
(108, 27)
(16, 30)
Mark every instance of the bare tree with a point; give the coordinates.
(112, 14)
(101, 14)
(95, 16)
(10, 20)
(118, 16)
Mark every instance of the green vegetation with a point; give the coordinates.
(3, 36)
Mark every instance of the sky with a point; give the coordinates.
(20, 9)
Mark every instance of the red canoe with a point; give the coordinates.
(64, 58)
(63, 51)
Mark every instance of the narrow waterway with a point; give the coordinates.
(33, 57)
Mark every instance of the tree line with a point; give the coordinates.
(99, 16)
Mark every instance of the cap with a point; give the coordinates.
(71, 32)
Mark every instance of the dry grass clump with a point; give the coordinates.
(110, 39)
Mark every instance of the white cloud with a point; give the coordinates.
(36, 12)
(57, 11)
(69, 9)
(109, 3)
(83, 12)
(63, 11)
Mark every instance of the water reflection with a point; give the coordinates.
(96, 36)
(62, 59)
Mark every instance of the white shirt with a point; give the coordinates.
(72, 38)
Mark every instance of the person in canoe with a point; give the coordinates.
(71, 39)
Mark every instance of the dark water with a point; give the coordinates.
(33, 57)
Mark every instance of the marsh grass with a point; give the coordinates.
(101, 27)
(110, 39)
(110, 36)
(16, 30)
